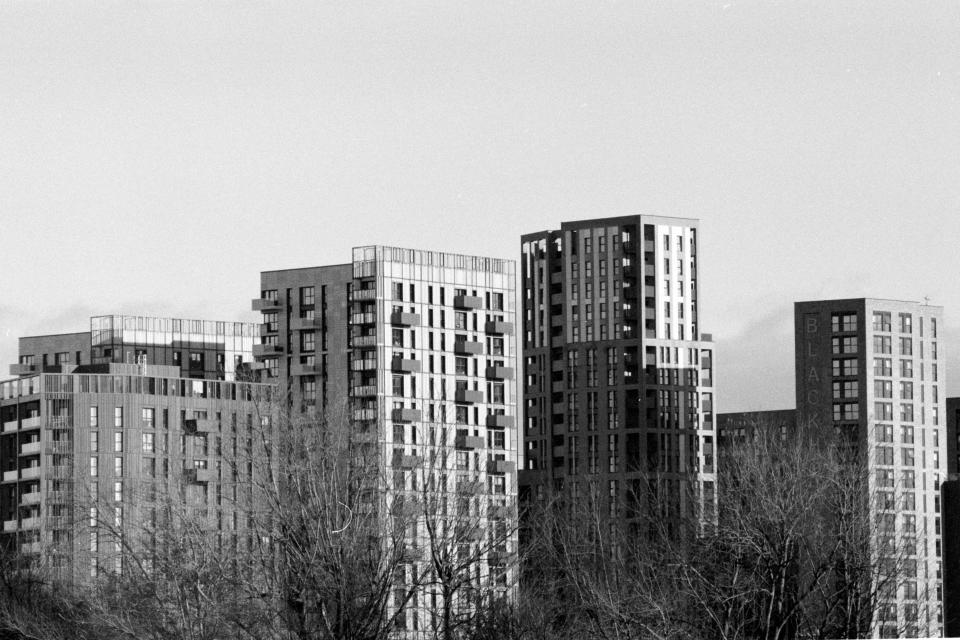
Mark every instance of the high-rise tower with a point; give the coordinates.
(618, 375)
(873, 370)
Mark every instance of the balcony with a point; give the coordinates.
(199, 425)
(498, 512)
(406, 462)
(9, 525)
(363, 294)
(500, 421)
(9, 427)
(265, 304)
(61, 472)
(368, 317)
(469, 487)
(403, 319)
(464, 441)
(404, 365)
(364, 437)
(364, 414)
(305, 324)
(23, 369)
(263, 350)
(10, 476)
(364, 391)
(407, 415)
(31, 547)
(29, 473)
(199, 476)
(298, 369)
(264, 329)
(27, 499)
(30, 523)
(500, 373)
(363, 364)
(411, 553)
(498, 327)
(468, 347)
(468, 396)
(467, 302)
(364, 341)
(30, 423)
(30, 448)
(503, 466)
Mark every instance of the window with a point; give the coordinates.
(846, 389)
(906, 412)
(94, 466)
(883, 410)
(118, 441)
(906, 434)
(885, 455)
(882, 344)
(881, 321)
(883, 388)
(906, 368)
(846, 411)
(308, 341)
(844, 322)
(118, 466)
(846, 344)
(118, 491)
(118, 416)
(845, 367)
(906, 391)
(906, 323)
(882, 367)
(307, 296)
(147, 415)
(148, 443)
(906, 346)
(93, 417)
(907, 457)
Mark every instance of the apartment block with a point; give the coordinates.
(618, 376)
(873, 369)
(201, 349)
(418, 348)
(90, 454)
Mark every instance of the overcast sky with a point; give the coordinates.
(156, 156)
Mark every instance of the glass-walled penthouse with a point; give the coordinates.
(201, 348)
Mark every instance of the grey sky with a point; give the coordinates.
(154, 157)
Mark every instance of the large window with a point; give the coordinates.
(881, 321)
(844, 322)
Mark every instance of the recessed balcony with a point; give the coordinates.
(364, 391)
(500, 373)
(364, 341)
(498, 327)
(199, 476)
(405, 365)
(298, 369)
(265, 304)
(404, 319)
(498, 512)
(30, 523)
(469, 396)
(467, 302)
(9, 525)
(363, 294)
(305, 324)
(30, 448)
(469, 486)
(29, 473)
(468, 347)
(364, 414)
(263, 350)
(11, 426)
(30, 423)
(406, 415)
(368, 317)
(27, 499)
(500, 421)
(463, 441)
(10, 476)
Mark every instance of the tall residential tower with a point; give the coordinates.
(872, 369)
(619, 384)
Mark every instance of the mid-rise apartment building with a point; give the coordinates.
(89, 454)
(418, 348)
(203, 349)
(873, 370)
(619, 377)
